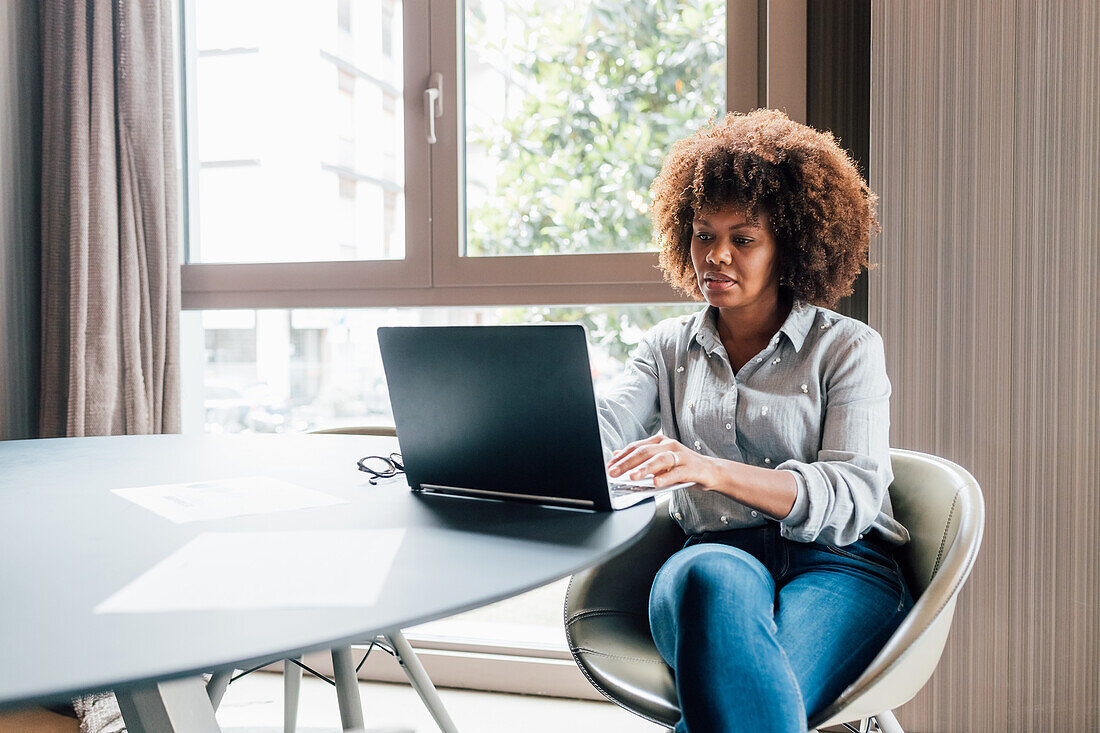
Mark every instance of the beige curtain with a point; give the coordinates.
(110, 262)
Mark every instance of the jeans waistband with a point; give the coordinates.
(772, 529)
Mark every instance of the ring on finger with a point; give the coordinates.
(675, 459)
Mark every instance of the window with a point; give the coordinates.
(551, 122)
(284, 102)
(387, 13)
(570, 109)
(343, 15)
(565, 112)
(306, 369)
(317, 209)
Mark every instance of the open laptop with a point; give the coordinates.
(504, 412)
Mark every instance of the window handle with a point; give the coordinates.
(433, 103)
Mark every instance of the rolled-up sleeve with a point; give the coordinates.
(841, 493)
(630, 410)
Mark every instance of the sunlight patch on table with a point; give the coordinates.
(224, 571)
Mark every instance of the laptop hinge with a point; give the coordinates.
(487, 493)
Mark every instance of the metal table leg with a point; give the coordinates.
(347, 689)
(292, 686)
(175, 706)
(420, 681)
(217, 685)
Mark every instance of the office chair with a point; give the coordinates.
(940, 503)
(345, 677)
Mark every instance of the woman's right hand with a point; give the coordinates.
(668, 461)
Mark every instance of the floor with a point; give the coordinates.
(254, 704)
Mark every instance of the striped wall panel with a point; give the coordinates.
(985, 129)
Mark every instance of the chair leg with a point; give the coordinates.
(215, 688)
(420, 681)
(887, 723)
(347, 689)
(292, 687)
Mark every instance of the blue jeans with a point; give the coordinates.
(762, 632)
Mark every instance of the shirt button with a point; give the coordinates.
(753, 512)
(768, 461)
(679, 516)
(691, 404)
(729, 425)
(764, 410)
(824, 326)
(679, 369)
(698, 445)
(725, 519)
(758, 360)
(805, 389)
(861, 536)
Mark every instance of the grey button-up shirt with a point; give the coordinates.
(815, 402)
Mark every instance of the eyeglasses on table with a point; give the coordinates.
(381, 467)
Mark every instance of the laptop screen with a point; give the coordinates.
(504, 409)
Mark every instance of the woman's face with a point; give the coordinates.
(735, 257)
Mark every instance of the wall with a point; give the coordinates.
(985, 152)
(20, 151)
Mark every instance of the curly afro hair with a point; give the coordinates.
(821, 211)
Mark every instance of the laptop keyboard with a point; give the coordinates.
(619, 487)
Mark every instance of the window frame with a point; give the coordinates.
(760, 35)
(302, 284)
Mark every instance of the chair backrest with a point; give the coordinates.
(359, 430)
(934, 499)
(941, 505)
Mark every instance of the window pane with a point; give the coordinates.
(299, 131)
(273, 371)
(570, 109)
(533, 619)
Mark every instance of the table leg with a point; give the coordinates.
(292, 688)
(175, 706)
(217, 685)
(420, 681)
(347, 688)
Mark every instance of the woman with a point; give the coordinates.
(777, 409)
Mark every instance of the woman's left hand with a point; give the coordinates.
(668, 461)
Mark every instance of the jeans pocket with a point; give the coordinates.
(870, 558)
(861, 551)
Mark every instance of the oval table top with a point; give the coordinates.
(68, 543)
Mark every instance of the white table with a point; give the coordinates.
(68, 543)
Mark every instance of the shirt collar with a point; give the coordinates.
(704, 330)
(798, 324)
